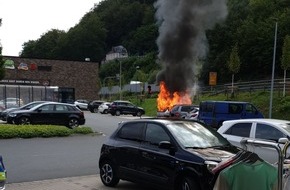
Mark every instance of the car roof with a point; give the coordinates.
(160, 120)
(221, 101)
(262, 120)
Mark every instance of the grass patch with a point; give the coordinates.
(30, 131)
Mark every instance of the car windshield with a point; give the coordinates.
(286, 126)
(194, 135)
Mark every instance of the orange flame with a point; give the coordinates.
(166, 100)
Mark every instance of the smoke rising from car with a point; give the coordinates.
(182, 41)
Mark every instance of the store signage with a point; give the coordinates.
(9, 64)
(23, 66)
(16, 81)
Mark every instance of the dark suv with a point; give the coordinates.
(125, 107)
(165, 153)
(182, 110)
(94, 105)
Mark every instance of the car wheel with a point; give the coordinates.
(108, 174)
(118, 113)
(95, 110)
(139, 114)
(24, 121)
(188, 184)
(73, 123)
(105, 111)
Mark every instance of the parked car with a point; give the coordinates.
(257, 129)
(193, 114)
(103, 108)
(166, 153)
(3, 174)
(4, 113)
(52, 113)
(94, 105)
(182, 110)
(11, 103)
(120, 107)
(81, 104)
(213, 113)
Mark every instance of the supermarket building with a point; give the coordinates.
(54, 80)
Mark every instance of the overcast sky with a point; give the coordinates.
(24, 20)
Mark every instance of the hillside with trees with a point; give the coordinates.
(249, 27)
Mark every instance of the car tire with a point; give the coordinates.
(105, 111)
(24, 120)
(95, 110)
(139, 114)
(188, 184)
(73, 123)
(108, 174)
(118, 113)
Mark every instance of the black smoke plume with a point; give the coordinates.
(182, 41)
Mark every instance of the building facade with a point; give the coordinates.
(70, 79)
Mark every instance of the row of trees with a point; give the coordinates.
(248, 31)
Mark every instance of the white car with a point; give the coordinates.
(103, 108)
(257, 129)
(81, 104)
(193, 114)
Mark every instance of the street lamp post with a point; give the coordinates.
(120, 79)
(273, 71)
(137, 67)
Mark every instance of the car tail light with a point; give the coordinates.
(193, 115)
(177, 114)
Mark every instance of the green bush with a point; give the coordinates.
(29, 131)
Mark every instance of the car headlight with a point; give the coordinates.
(12, 114)
(210, 165)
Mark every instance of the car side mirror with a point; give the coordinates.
(165, 145)
(283, 140)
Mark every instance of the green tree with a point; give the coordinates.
(285, 60)
(234, 65)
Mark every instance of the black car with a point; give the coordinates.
(125, 107)
(94, 105)
(4, 113)
(165, 153)
(52, 113)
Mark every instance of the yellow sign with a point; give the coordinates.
(212, 78)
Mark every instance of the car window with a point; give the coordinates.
(185, 108)
(235, 108)
(250, 109)
(207, 107)
(47, 108)
(131, 131)
(155, 134)
(267, 132)
(174, 109)
(240, 129)
(61, 108)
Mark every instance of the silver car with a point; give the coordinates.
(257, 129)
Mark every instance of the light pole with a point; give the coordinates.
(137, 67)
(120, 79)
(273, 71)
